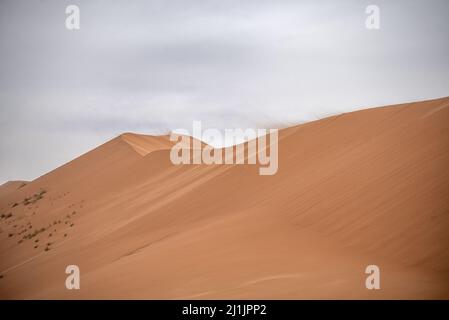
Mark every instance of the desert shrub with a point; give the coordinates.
(35, 233)
(34, 198)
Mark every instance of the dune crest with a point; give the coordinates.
(144, 144)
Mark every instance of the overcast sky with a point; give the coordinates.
(153, 66)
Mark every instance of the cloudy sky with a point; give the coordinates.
(157, 65)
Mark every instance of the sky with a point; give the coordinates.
(155, 66)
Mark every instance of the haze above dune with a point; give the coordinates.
(361, 188)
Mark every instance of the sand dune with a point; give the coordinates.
(10, 187)
(361, 188)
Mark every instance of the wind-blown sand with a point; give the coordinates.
(361, 188)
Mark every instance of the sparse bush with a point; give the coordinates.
(35, 233)
(34, 198)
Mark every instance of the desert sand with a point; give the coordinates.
(360, 188)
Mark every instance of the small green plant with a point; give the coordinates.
(35, 233)
(34, 198)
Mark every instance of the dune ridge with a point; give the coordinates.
(360, 188)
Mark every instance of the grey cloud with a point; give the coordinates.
(157, 65)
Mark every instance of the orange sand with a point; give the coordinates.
(361, 188)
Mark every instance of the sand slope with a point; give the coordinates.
(368, 187)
